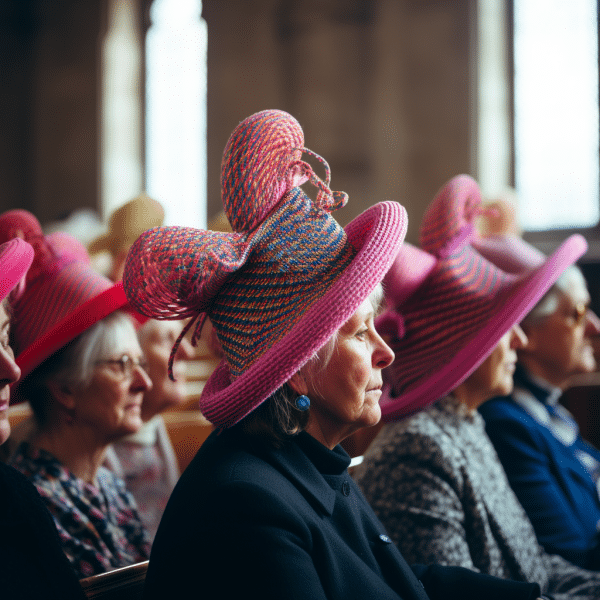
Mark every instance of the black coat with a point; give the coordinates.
(250, 521)
(32, 562)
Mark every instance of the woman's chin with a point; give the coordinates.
(371, 418)
(4, 428)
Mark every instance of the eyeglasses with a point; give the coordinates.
(125, 365)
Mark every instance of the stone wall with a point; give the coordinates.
(381, 88)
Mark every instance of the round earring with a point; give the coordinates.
(303, 402)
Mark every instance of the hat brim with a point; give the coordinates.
(509, 308)
(376, 235)
(81, 319)
(16, 257)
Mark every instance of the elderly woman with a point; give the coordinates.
(434, 478)
(266, 509)
(553, 471)
(33, 563)
(145, 460)
(83, 376)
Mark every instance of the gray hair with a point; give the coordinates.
(277, 417)
(73, 365)
(570, 278)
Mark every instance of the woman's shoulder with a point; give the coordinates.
(414, 444)
(229, 459)
(504, 408)
(426, 430)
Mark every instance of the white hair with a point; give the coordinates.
(73, 365)
(571, 278)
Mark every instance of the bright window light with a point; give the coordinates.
(556, 113)
(176, 110)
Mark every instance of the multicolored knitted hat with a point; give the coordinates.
(448, 307)
(15, 258)
(63, 296)
(279, 286)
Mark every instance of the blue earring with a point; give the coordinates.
(303, 402)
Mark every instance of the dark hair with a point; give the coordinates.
(277, 417)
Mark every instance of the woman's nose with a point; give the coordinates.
(141, 379)
(9, 370)
(185, 351)
(383, 356)
(519, 338)
(592, 323)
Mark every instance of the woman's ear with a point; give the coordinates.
(62, 394)
(298, 384)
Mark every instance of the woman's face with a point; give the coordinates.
(494, 376)
(157, 339)
(111, 404)
(345, 396)
(561, 343)
(9, 372)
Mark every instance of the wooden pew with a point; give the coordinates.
(187, 429)
(126, 583)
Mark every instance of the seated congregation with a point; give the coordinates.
(323, 331)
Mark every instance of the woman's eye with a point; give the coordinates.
(362, 333)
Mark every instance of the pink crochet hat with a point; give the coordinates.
(279, 286)
(448, 306)
(62, 297)
(15, 258)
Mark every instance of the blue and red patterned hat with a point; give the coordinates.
(279, 286)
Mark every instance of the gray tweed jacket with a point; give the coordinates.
(436, 483)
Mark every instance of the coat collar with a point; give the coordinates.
(308, 465)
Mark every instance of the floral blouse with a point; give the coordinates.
(99, 526)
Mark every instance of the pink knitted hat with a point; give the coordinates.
(15, 258)
(279, 286)
(448, 306)
(63, 296)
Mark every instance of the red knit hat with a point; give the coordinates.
(63, 295)
(15, 258)
(448, 306)
(279, 286)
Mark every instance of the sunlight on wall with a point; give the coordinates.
(492, 142)
(176, 110)
(121, 164)
(556, 113)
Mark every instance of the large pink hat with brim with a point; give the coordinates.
(62, 296)
(15, 258)
(277, 287)
(448, 306)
